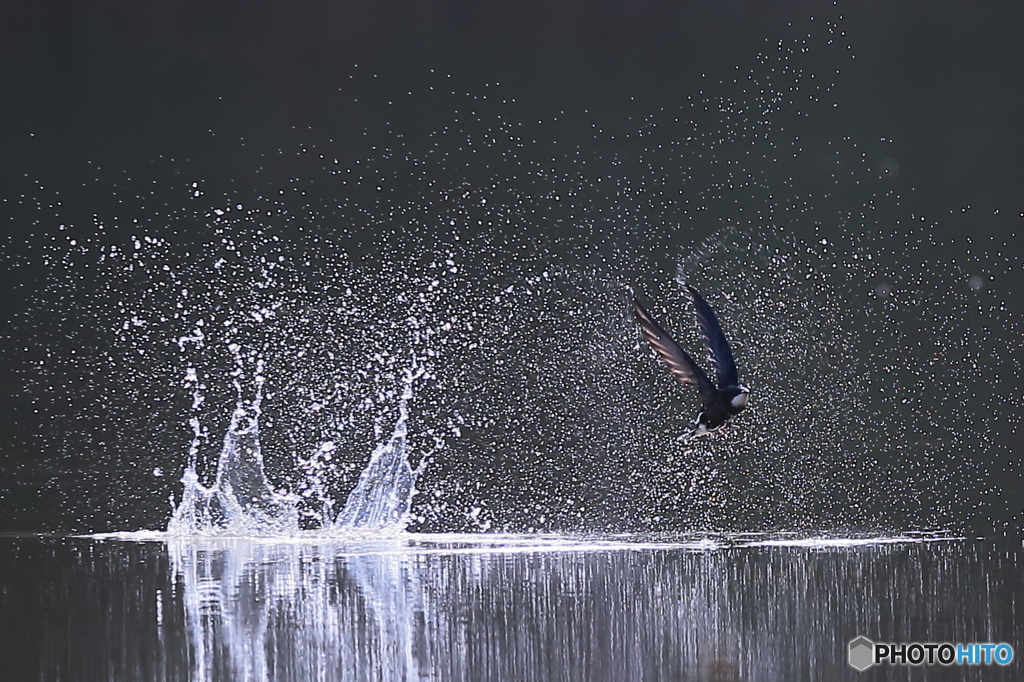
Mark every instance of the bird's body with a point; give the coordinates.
(721, 402)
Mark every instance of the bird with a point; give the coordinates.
(719, 404)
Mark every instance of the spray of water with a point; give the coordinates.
(242, 502)
(883, 364)
(382, 496)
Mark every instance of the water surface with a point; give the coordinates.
(456, 607)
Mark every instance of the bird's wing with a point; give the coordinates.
(721, 356)
(678, 361)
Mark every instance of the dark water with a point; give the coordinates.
(514, 608)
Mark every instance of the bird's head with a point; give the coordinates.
(738, 400)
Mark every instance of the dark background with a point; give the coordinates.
(100, 98)
(94, 88)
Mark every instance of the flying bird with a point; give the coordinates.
(719, 403)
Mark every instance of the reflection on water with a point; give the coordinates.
(452, 608)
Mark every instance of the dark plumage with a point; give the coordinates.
(719, 403)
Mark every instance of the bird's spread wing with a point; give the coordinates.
(721, 356)
(678, 361)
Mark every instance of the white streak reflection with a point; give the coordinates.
(522, 607)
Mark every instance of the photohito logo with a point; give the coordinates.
(863, 653)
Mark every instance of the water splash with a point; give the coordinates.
(242, 502)
(381, 499)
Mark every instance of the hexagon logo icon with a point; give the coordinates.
(862, 653)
